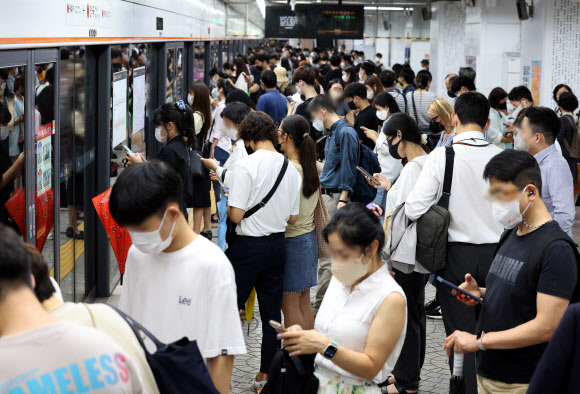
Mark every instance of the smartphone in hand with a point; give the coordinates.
(277, 326)
(129, 151)
(367, 174)
(456, 288)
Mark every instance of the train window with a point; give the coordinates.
(179, 75)
(139, 93)
(12, 134)
(170, 77)
(198, 62)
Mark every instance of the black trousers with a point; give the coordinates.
(259, 262)
(407, 370)
(462, 259)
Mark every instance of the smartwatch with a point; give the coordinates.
(330, 350)
(479, 340)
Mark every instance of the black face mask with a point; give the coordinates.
(435, 127)
(249, 150)
(393, 149)
(450, 94)
(352, 105)
(503, 106)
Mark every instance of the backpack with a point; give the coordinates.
(537, 254)
(574, 149)
(433, 225)
(362, 191)
(291, 375)
(178, 367)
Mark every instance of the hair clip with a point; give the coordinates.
(305, 135)
(180, 105)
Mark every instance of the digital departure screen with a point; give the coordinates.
(314, 21)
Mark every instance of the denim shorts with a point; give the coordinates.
(301, 263)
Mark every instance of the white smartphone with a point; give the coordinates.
(366, 173)
(277, 326)
(129, 151)
(200, 156)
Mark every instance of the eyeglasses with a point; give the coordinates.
(434, 119)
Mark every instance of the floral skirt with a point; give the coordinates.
(337, 384)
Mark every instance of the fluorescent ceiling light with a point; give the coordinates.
(262, 7)
(385, 8)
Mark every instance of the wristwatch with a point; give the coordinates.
(343, 201)
(330, 350)
(479, 340)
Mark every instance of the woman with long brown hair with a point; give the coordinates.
(201, 188)
(241, 71)
(374, 87)
(301, 247)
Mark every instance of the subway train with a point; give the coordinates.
(81, 79)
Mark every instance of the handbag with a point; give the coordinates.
(196, 167)
(433, 225)
(231, 226)
(178, 367)
(321, 219)
(291, 374)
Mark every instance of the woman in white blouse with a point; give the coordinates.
(360, 328)
(241, 72)
(406, 141)
(497, 133)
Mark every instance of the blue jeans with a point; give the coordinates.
(381, 200)
(222, 208)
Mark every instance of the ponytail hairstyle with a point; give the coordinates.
(225, 85)
(423, 79)
(181, 116)
(410, 131)
(356, 226)
(298, 130)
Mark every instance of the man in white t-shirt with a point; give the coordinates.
(39, 353)
(259, 248)
(176, 283)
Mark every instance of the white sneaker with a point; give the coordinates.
(258, 386)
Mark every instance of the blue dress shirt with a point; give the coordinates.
(341, 152)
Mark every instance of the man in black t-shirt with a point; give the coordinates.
(525, 295)
(356, 94)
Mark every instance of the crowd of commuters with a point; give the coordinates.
(310, 153)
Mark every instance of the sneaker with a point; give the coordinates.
(70, 233)
(431, 305)
(434, 313)
(258, 386)
(208, 234)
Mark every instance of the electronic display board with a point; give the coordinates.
(315, 21)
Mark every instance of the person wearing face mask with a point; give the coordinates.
(9, 170)
(425, 64)
(257, 251)
(176, 283)
(240, 74)
(173, 126)
(17, 128)
(497, 133)
(406, 79)
(473, 232)
(568, 103)
(533, 278)
(374, 87)
(338, 176)
(519, 97)
(390, 167)
(349, 75)
(356, 94)
(449, 79)
(389, 81)
(301, 244)
(537, 135)
(366, 70)
(405, 140)
(440, 114)
(272, 102)
(307, 85)
(360, 328)
(461, 85)
(379, 62)
(335, 71)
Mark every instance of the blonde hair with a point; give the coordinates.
(442, 109)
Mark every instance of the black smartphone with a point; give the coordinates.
(456, 288)
(366, 173)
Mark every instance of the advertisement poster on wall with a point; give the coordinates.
(138, 99)
(119, 107)
(536, 70)
(43, 158)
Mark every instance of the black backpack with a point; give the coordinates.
(178, 367)
(537, 254)
(291, 375)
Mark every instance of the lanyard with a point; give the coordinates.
(473, 139)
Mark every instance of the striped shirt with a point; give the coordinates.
(422, 101)
(399, 98)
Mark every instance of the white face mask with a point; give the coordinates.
(342, 64)
(318, 124)
(382, 114)
(214, 80)
(349, 272)
(4, 131)
(190, 98)
(370, 94)
(377, 59)
(151, 242)
(159, 137)
(520, 143)
(298, 89)
(215, 93)
(231, 134)
(344, 78)
(508, 213)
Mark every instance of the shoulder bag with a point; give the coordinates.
(196, 167)
(321, 219)
(178, 367)
(231, 226)
(433, 225)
